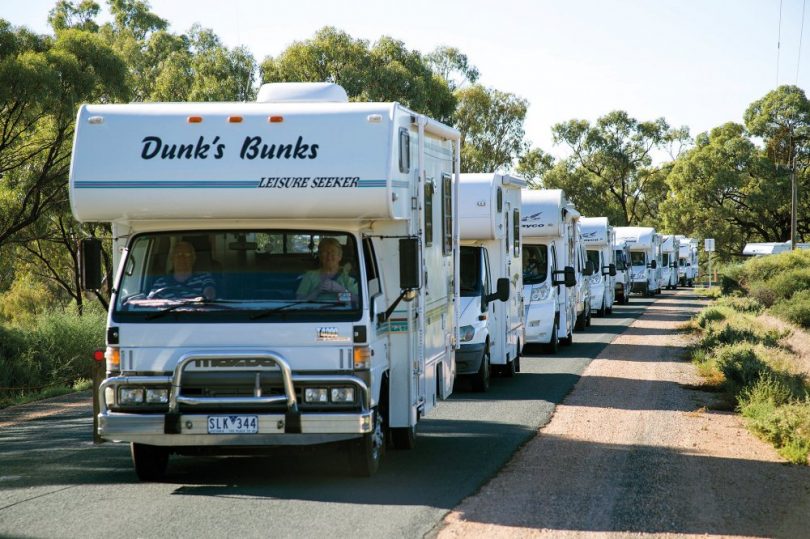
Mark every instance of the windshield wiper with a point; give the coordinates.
(184, 303)
(268, 312)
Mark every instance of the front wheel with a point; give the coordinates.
(150, 461)
(366, 452)
(481, 378)
(402, 437)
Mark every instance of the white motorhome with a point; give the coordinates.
(325, 235)
(645, 252)
(770, 248)
(598, 238)
(670, 249)
(584, 270)
(550, 251)
(623, 284)
(687, 260)
(491, 281)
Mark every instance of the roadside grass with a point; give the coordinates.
(51, 355)
(737, 354)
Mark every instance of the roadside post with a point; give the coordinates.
(708, 246)
(99, 373)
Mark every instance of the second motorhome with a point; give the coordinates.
(285, 271)
(623, 284)
(598, 239)
(491, 281)
(551, 246)
(644, 245)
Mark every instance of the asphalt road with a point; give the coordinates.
(55, 483)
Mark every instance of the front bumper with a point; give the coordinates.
(539, 323)
(280, 422)
(469, 357)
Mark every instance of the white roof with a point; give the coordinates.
(636, 236)
(595, 230)
(543, 211)
(479, 218)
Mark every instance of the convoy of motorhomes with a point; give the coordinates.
(687, 260)
(623, 284)
(551, 247)
(322, 303)
(598, 238)
(645, 252)
(491, 277)
(584, 271)
(670, 248)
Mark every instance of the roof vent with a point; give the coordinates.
(302, 92)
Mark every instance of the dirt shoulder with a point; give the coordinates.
(633, 451)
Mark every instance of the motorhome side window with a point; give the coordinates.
(241, 275)
(535, 264)
(516, 232)
(447, 215)
(404, 151)
(430, 188)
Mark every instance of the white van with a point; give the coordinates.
(491, 281)
(584, 271)
(598, 238)
(550, 251)
(623, 284)
(670, 248)
(687, 260)
(285, 271)
(645, 252)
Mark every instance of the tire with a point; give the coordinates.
(402, 437)
(509, 370)
(588, 316)
(365, 453)
(482, 377)
(517, 357)
(579, 325)
(553, 345)
(602, 311)
(150, 461)
(568, 340)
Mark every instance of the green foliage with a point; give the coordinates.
(714, 313)
(740, 365)
(54, 350)
(741, 304)
(795, 310)
(610, 170)
(386, 71)
(491, 125)
(534, 165)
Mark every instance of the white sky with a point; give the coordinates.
(698, 63)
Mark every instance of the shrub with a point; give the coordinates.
(741, 304)
(714, 313)
(795, 310)
(763, 293)
(741, 329)
(730, 277)
(740, 365)
(788, 283)
(766, 267)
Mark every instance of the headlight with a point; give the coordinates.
(315, 394)
(130, 395)
(540, 293)
(157, 396)
(342, 394)
(467, 333)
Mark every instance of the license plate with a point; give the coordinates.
(233, 424)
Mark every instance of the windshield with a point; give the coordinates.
(240, 275)
(665, 259)
(471, 280)
(535, 264)
(637, 258)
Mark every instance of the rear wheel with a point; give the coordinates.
(150, 461)
(509, 369)
(481, 378)
(567, 340)
(366, 452)
(517, 357)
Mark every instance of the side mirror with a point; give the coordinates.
(653, 265)
(409, 273)
(501, 292)
(570, 276)
(90, 263)
(611, 270)
(588, 271)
